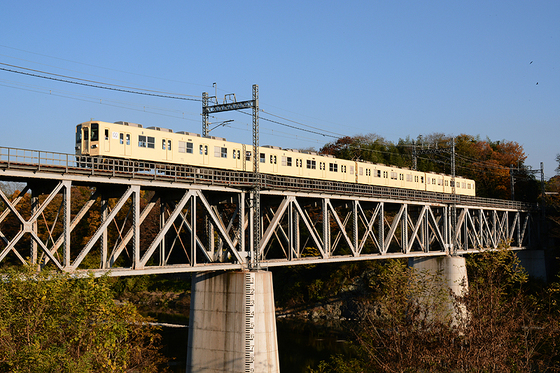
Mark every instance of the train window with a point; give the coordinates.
(79, 134)
(262, 157)
(452, 183)
(273, 159)
(422, 179)
(351, 170)
(311, 164)
(201, 149)
(106, 134)
(415, 179)
(248, 156)
(183, 147)
(142, 141)
(469, 186)
(464, 186)
(234, 154)
(393, 175)
(333, 167)
(121, 138)
(224, 153)
(163, 144)
(446, 183)
(127, 139)
(86, 134)
(343, 168)
(168, 144)
(433, 181)
(385, 174)
(94, 132)
(151, 142)
(190, 148)
(409, 178)
(401, 177)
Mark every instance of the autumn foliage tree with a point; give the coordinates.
(488, 162)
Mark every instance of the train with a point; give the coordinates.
(131, 141)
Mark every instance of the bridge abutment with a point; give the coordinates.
(232, 324)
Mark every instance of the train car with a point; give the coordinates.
(130, 141)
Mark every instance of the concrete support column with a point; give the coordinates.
(452, 272)
(232, 324)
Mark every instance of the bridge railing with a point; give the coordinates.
(26, 159)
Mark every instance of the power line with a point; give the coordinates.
(66, 79)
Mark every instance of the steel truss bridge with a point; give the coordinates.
(124, 217)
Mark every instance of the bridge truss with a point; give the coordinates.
(137, 218)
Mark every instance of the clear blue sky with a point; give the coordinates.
(393, 68)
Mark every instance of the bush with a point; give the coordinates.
(51, 322)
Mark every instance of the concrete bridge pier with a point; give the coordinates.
(451, 273)
(232, 325)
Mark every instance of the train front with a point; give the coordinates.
(87, 139)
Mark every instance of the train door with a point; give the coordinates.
(237, 157)
(127, 144)
(204, 153)
(106, 141)
(166, 148)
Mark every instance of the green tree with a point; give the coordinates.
(51, 322)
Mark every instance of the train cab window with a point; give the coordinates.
(79, 134)
(262, 157)
(95, 132)
(106, 134)
(142, 141)
(86, 134)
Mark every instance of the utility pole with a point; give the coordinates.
(253, 263)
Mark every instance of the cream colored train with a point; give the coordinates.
(132, 141)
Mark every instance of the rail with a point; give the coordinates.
(62, 163)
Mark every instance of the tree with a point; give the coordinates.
(510, 327)
(51, 322)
